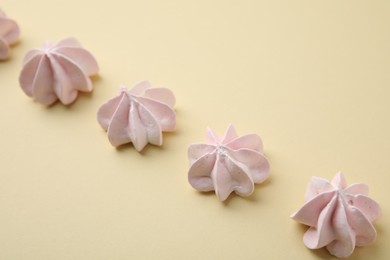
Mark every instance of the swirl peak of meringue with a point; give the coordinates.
(138, 116)
(340, 216)
(57, 72)
(9, 34)
(227, 164)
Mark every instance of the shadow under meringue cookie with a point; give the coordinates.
(57, 106)
(321, 253)
(369, 251)
(255, 197)
(232, 196)
(87, 96)
(11, 54)
(124, 147)
(146, 151)
(169, 138)
(207, 194)
(6, 60)
(17, 43)
(359, 253)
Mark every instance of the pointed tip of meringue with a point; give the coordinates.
(212, 137)
(140, 87)
(230, 134)
(339, 180)
(122, 88)
(46, 45)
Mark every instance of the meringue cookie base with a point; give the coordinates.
(310, 77)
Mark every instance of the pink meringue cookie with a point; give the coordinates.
(227, 164)
(340, 216)
(9, 34)
(138, 115)
(58, 71)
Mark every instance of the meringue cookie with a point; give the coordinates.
(138, 115)
(340, 216)
(227, 164)
(9, 34)
(57, 71)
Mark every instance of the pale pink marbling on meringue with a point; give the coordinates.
(58, 71)
(340, 216)
(9, 34)
(138, 115)
(227, 164)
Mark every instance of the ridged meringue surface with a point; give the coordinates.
(340, 216)
(138, 116)
(9, 34)
(57, 71)
(229, 164)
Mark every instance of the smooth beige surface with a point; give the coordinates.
(310, 77)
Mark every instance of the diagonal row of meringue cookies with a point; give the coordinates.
(59, 71)
(340, 217)
(9, 35)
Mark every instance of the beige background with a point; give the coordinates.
(310, 77)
